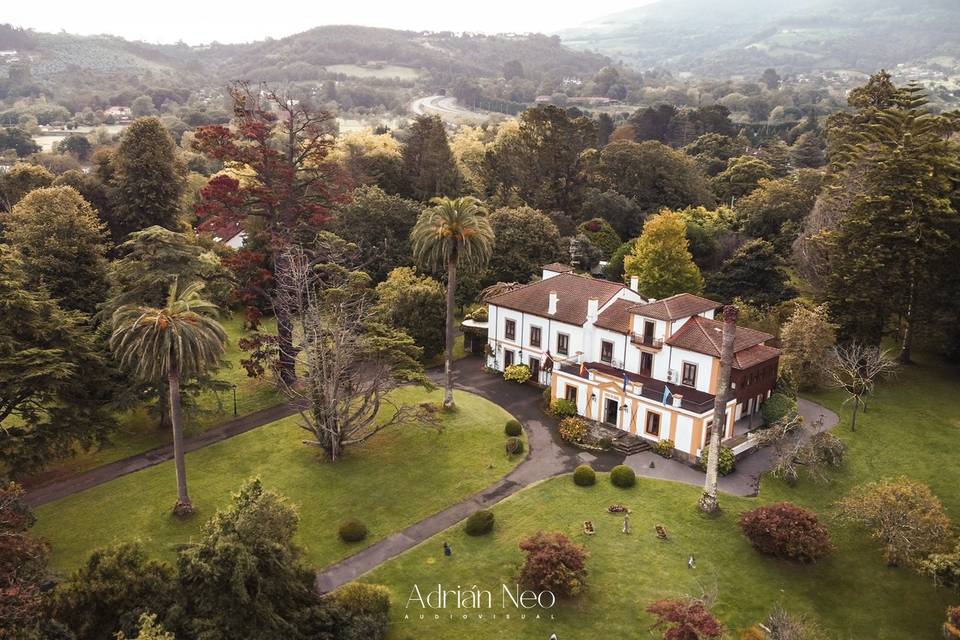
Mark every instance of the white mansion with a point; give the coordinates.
(649, 367)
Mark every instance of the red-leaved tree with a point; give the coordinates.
(23, 565)
(687, 619)
(786, 531)
(554, 564)
(282, 193)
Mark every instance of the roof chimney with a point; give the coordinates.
(593, 309)
(635, 284)
(552, 306)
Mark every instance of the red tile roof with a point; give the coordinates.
(616, 317)
(754, 355)
(675, 307)
(706, 336)
(559, 267)
(572, 290)
(222, 231)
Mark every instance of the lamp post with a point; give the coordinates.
(234, 387)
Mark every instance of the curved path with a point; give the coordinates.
(547, 456)
(113, 470)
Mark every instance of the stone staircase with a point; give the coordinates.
(629, 444)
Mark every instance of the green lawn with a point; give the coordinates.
(397, 478)
(912, 427)
(139, 431)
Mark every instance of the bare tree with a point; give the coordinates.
(855, 369)
(794, 452)
(349, 361)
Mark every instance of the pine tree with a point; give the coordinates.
(754, 273)
(147, 180)
(901, 235)
(428, 164)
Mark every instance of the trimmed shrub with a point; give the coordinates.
(573, 429)
(513, 428)
(514, 446)
(359, 598)
(547, 396)
(563, 408)
(727, 460)
(623, 476)
(479, 523)
(553, 563)
(366, 608)
(786, 531)
(353, 531)
(584, 476)
(777, 407)
(664, 448)
(518, 373)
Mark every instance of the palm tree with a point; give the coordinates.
(452, 233)
(180, 340)
(709, 502)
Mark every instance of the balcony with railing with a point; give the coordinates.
(643, 340)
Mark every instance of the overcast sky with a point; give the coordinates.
(201, 21)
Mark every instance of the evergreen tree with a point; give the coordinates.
(740, 177)
(416, 304)
(61, 242)
(900, 238)
(147, 180)
(54, 384)
(661, 258)
(379, 224)
(429, 167)
(601, 235)
(525, 240)
(754, 273)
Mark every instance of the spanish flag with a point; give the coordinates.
(583, 369)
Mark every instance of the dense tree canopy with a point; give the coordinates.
(754, 273)
(61, 242)
(416, 304)
(524, 240)
(661, 258)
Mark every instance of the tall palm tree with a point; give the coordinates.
(180, 340)
(452, 233)
(709, 501)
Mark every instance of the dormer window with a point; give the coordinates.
(606, 351)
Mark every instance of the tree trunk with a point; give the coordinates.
(286, 364)
(183, 506)
(856, 405)
(448, 361)
(709, 502)
(906, 343)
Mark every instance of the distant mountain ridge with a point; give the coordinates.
(801, 36)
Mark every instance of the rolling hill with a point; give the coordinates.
(723, 37)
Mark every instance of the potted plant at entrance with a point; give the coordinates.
(518, 373)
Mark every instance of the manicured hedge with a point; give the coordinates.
(513, 428)
(623, 476)
(479, 523)
(584, 475)
(353, 531)
(514, 446)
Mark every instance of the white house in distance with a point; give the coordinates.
(648, 367)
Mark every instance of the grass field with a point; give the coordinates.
(397, 478)
(912, 427)
(139, 430)
(382, 72)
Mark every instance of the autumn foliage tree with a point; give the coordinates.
(685, 619)
(554, 563)
(23, 566)
(278, 145)
(786, 531)
(903, 515)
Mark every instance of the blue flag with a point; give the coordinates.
(625, 380)
(666, 395)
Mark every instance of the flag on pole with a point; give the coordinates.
(666, 395)
(625, 381)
